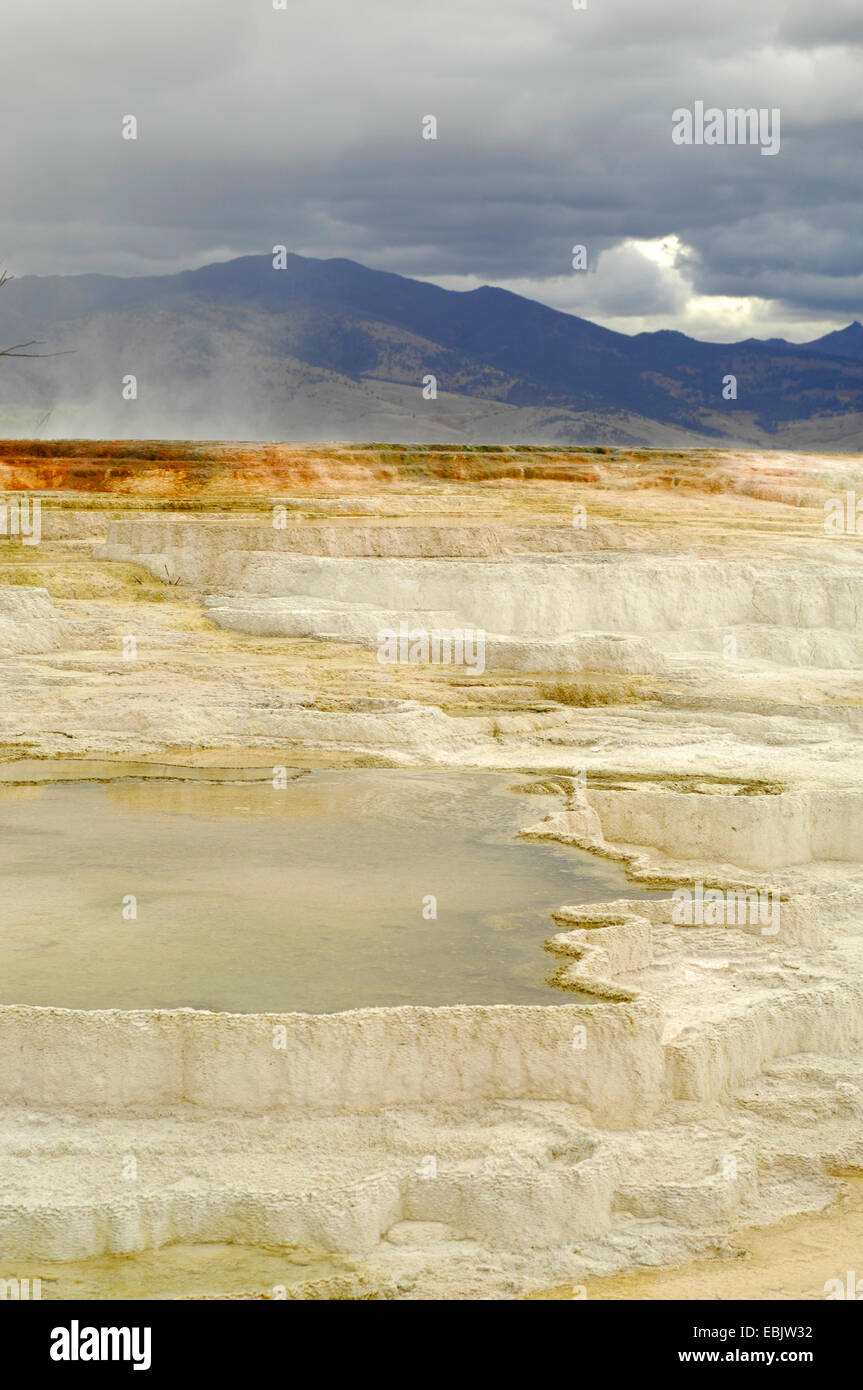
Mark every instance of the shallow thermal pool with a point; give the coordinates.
(310, 898)
(180, 1271)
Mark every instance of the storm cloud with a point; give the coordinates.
(303, 126)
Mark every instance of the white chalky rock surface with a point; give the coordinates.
(718, 1078)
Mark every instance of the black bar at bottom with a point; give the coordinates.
(247, 1337)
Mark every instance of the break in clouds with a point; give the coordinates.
(302, 126)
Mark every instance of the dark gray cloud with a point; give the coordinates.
(302, 126)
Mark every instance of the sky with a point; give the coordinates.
(302, 126)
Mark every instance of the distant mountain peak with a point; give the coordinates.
(243, 349)
(843, 342)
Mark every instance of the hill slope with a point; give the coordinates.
(331, 349)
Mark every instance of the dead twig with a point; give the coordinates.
(16, 349)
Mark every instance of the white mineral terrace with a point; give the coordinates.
(682, 672)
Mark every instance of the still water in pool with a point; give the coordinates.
(315, 897)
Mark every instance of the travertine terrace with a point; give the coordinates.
(672, 644)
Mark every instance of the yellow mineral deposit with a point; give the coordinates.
(535, 976)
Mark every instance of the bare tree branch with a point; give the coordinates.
(34, 342)
(16, 350)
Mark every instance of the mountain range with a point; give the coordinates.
(329, 349)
